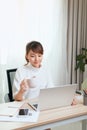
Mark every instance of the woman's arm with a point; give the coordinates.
(24, 86)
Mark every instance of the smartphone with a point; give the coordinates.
(23, 112)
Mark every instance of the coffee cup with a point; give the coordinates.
(32, 82)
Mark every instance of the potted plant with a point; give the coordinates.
(81, 60)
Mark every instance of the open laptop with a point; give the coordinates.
(57, 97)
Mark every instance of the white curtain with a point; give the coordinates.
(76, 37)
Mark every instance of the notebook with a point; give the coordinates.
(57, 97)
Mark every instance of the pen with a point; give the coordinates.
(32, 107)
(12, 107)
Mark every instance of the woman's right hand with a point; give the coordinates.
(24, 86)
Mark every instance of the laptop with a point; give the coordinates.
(51, 98)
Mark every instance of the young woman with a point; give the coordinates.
(33, 76)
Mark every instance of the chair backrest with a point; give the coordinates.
(10, 78)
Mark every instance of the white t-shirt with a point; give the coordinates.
(42, 80)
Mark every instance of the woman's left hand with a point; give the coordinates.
(74, 102)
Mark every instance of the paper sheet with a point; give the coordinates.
(10, 109)
(32, 117)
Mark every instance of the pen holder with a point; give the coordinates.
(85, 99)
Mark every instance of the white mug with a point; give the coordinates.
(32, 82)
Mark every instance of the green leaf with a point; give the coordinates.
(81, 60)
(80, 65)
(84, 49)
(80, 57)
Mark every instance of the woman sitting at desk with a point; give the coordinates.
(33, 76)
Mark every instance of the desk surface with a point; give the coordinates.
(47, 117)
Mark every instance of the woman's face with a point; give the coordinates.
(34, 58)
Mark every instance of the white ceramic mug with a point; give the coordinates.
(32, 82)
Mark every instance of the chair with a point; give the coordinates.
(10, 77)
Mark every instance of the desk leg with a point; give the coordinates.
(84, 125)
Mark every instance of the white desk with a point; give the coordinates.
(52, 118)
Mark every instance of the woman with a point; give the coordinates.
(33, 76)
